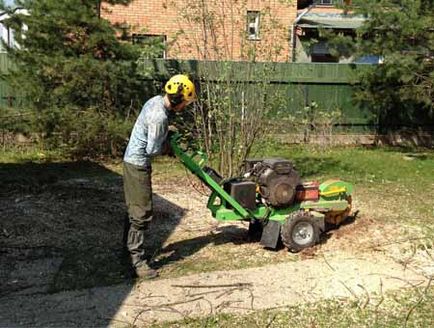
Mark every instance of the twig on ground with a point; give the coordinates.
(252, 298)
(228, 292)
(377, 306)
(226, 304)
(396, 242)
(327, 262)
(240, 284)
(368, 299)
(351, 292)
(270, 322)
(405, 281)
(420, 300)
(162, 307)
(405, 262)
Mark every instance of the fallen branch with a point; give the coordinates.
(240, 284)
(228, 292)
(226, 304)
(164, 307)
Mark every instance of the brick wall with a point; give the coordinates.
(222, 36)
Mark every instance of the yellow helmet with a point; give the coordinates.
(181, 84)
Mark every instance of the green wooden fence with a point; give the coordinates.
(8, 96)
(331, 86)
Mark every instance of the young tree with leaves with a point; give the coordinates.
(235, 99)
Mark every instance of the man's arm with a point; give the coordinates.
(157, 133)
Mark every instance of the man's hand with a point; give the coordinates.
(167, 148)
(172, 129)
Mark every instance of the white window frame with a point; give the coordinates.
(253, 24)
(326, 2)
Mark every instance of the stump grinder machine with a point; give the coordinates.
(272, 198)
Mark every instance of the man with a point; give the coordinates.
(148, 138)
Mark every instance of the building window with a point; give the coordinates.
(253, 25)
(320, 53)
(154, 46)
(327, 2)
(332, 2)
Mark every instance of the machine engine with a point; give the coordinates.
(277, 180)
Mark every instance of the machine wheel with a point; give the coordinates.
(299, 231)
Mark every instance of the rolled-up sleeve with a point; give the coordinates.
(157, 133)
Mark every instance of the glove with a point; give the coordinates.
(172, 129)
(167, 149)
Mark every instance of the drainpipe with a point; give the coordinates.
(293, 40)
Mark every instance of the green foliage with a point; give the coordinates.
(311, 120)
(69, 56)
(78, 77)
(401, 33)
(231, 116)
(15, 120)
(86, 133)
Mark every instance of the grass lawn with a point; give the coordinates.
(395, 185)
(398, 184)
(410, 308)
(392, 186)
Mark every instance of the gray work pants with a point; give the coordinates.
(138, 198)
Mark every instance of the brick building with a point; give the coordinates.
(258, 30)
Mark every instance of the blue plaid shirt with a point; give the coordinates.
(149, 133)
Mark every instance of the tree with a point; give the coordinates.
(68, 56)
(401, 33)
(72, 66)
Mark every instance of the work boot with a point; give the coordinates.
(143, 271)
(136, 245)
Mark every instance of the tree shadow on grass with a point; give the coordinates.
(61, 228)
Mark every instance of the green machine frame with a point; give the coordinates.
(333, 194)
